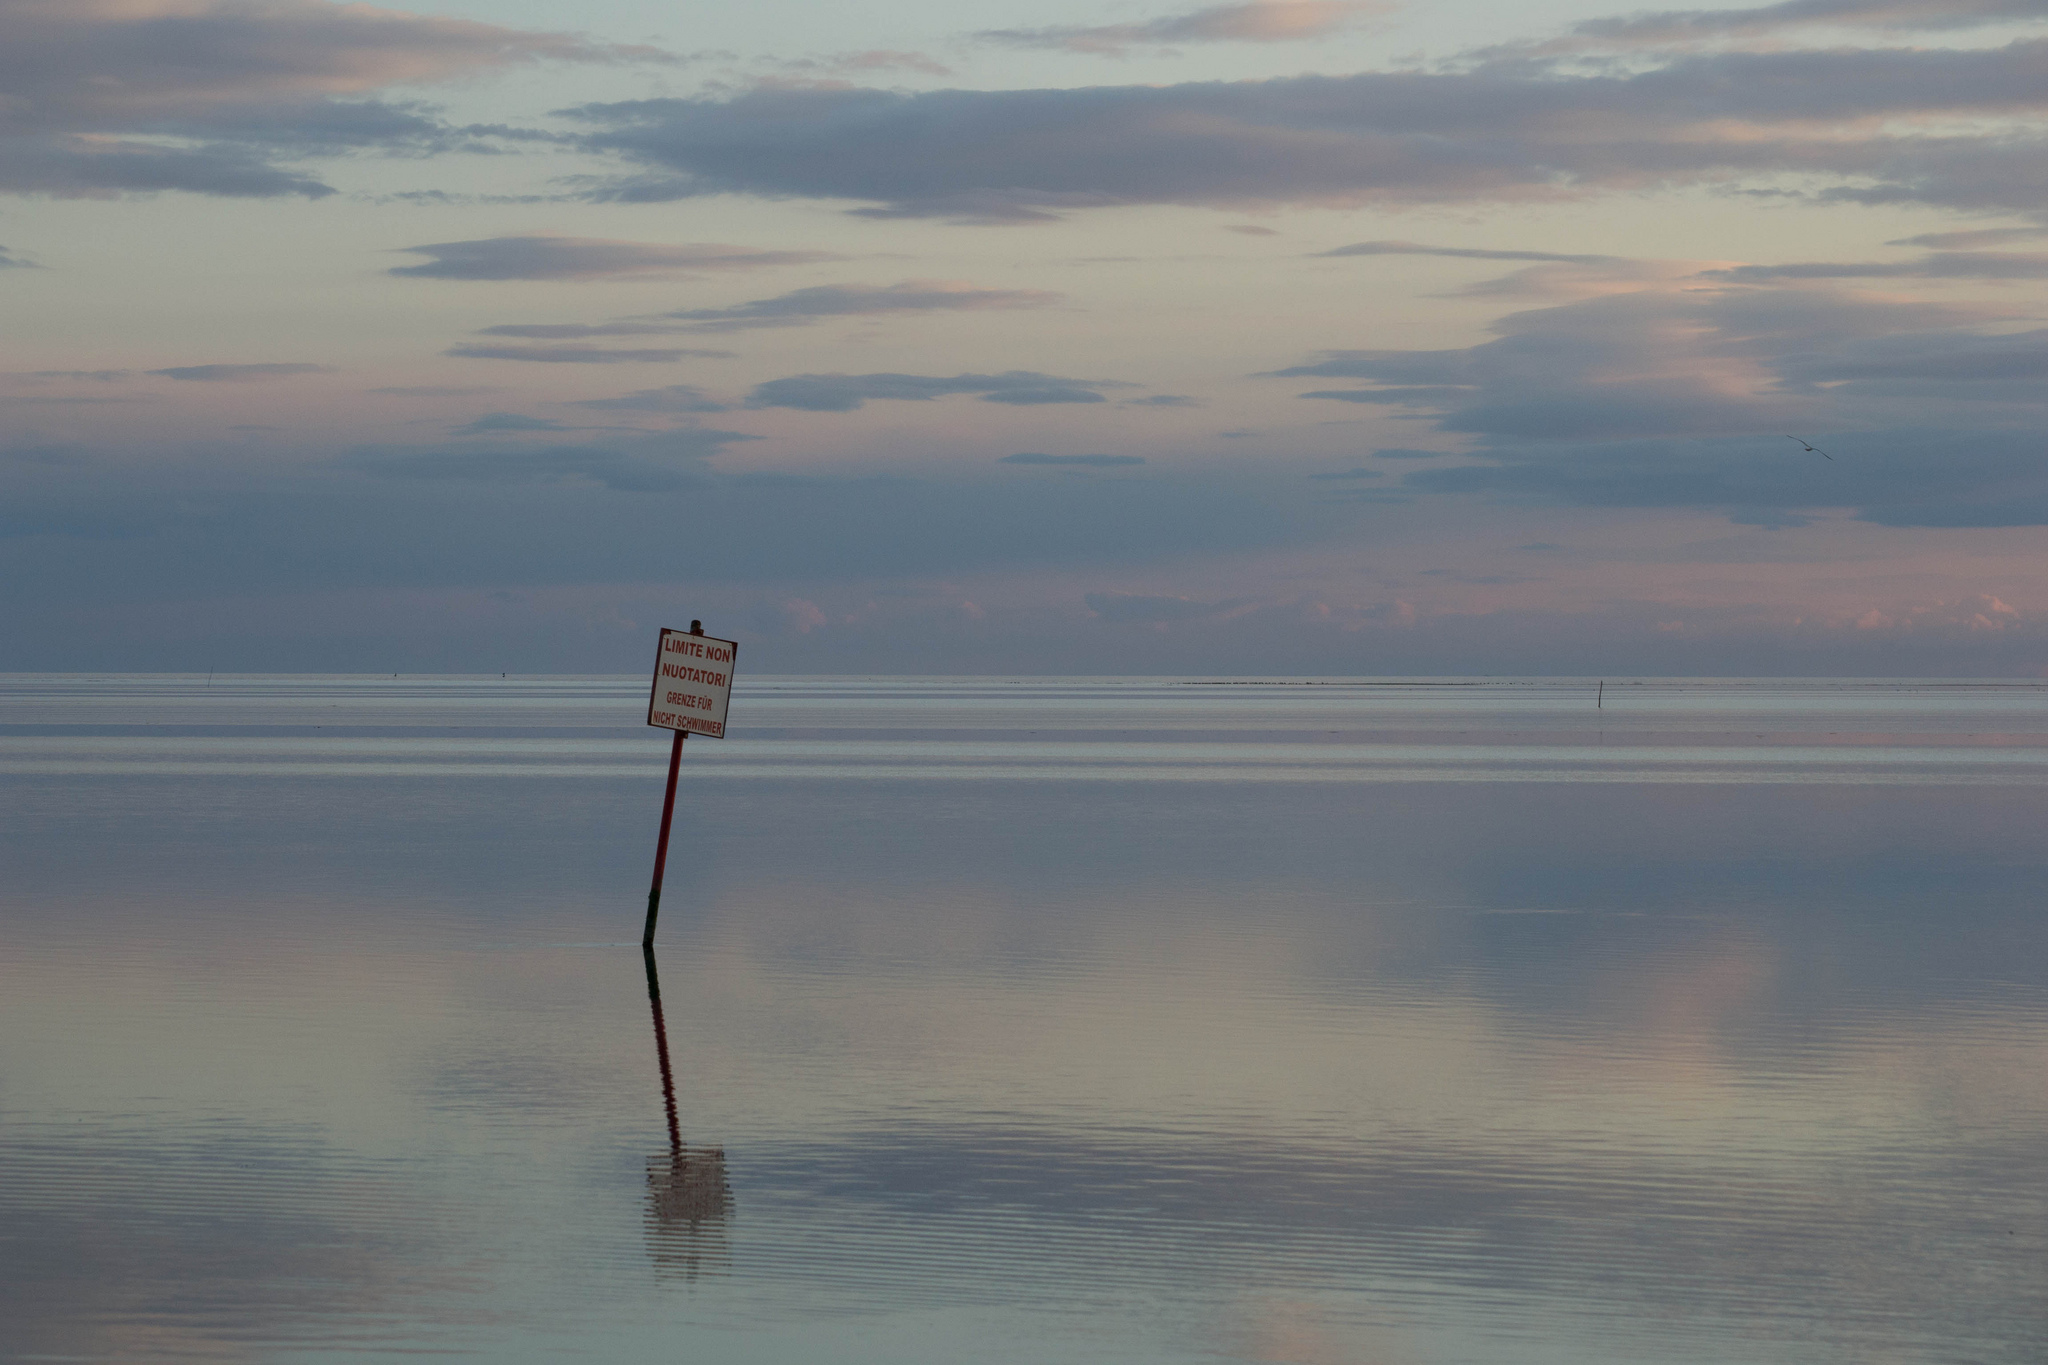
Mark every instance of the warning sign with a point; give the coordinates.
(692, 682)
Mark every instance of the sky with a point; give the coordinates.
(1300, 337)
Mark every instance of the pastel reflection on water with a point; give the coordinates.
(955, 1059)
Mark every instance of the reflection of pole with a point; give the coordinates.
(668, 1079)
(668, 810)
(688, 1196)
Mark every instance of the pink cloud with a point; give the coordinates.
(1263, 21)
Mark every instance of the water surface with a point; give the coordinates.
(1035, 1020)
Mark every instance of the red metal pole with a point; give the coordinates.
(668, 1078)
(668, 810)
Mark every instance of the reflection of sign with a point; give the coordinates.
(692, 683)
(688, 1201)
(688, 1185)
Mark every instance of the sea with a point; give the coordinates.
(1325, 1021)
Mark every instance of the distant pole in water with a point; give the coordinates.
(668, 810)
(1600, 697)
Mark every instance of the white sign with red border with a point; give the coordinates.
(692, 683)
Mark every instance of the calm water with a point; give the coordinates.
(1046, 1020)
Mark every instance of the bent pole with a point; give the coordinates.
(668, 811)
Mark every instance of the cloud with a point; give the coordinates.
(1970, 238)
(239, 374)
(82, 168)
(572, 355)
(94, 376)
(10, 261)
(1905, 476)
(1343, 474)
(1948, 265)
(1164, 400)
(1090, 461)
(588, 258)
(1126, 608)
(850, 392)
(889, 59)
(1542, 273)
(801, 307)
(674, 398)
(1954, 127)
(1680, 396)
(875, 59)
(1673, 27)
(657, 463)
(64, 400)
(1468, 253)
(507, 421)
(798, 308)
(204, 96)
(188, 525)
(1952, 365)
(574, 331)
(1402, 397)
(1676, 362)
(803, 615)
(1481, 580)
(39, 454)
(1263, 21)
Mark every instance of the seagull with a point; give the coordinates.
(1814, 448)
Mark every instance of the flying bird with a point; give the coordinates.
(1803, 445)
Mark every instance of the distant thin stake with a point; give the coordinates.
(1600, 697)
